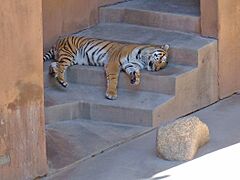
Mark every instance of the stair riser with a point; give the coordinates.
(98, 112)
(67, 111)
(121, 115)
(158, 84)
(168, 21)
(152, 83)
(194, 90)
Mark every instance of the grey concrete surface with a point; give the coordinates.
(184, 47)
(219, 165)
(81, 101)
(223, 120)
(178, 15)
(137, 159)
(77, 140)
(170, 6)
(136, 106)
(162, 81)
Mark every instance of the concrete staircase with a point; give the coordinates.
(176, 15)
(188, 83)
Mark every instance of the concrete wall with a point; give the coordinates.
(22, 138)
(220, 19)
(67, 16)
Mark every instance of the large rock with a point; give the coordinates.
(181, 139)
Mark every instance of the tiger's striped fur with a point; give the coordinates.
(114, 56)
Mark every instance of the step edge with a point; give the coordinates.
(90, 102)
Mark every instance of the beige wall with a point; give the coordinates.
(67, 16)
(229, 46)
(220, 19)
(22, 139)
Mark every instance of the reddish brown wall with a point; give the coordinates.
(209, 18)
(220, 19)
(68, 16)
(22, 139)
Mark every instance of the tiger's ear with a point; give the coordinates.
(166, 47)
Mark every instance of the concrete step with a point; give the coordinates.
(185, 48)
(89, 102)
(177, 15)
(160, 82)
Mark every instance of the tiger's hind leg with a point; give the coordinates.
(112, 70)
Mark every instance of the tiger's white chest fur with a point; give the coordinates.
(133, 61)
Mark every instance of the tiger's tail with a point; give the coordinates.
(49, 55)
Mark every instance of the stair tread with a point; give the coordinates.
(96, 95)
(183, 7)
(130, 33)
(172, 70)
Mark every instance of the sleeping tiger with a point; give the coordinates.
(114, 56)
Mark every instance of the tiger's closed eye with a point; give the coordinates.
(162, 54)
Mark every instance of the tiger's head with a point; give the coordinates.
(156, 57)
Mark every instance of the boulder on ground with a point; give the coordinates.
(181, 139)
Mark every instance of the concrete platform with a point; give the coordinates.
(181, 15)
(137, 160)
(73, 141)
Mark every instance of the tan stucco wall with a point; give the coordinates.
(22, 139)
(67, 16)
(229, 46)
(220, 19)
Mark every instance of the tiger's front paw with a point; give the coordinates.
(135, 78)
(63, 83)
(111, 95)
